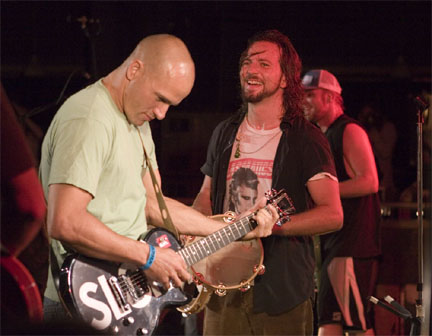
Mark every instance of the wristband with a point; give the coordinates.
(150, 259)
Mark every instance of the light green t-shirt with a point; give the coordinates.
(90, 144)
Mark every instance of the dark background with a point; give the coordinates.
(380, 52)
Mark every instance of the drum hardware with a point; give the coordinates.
(260, 269)
(244, 286)
(198, 278)
(221, 290)
(197, 304)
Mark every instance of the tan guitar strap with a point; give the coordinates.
(318, 260)
(162, 205)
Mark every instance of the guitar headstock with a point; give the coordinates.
(283, 204)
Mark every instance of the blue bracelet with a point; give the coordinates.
(150, 259)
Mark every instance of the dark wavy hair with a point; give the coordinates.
(291, 67)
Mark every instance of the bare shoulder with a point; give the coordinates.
(355, 134)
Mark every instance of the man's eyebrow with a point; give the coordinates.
(255, 53)
(248, 56)
(165, 100)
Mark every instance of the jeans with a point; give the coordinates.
(59, 322)
(237, 317)
(54, 311)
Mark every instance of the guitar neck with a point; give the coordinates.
(202, 248)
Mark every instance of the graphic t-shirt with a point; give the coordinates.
(250, 168)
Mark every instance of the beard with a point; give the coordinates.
(249, 97)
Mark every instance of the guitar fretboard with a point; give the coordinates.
(217, 240)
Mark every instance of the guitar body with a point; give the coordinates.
(115, 298)
(20, 298)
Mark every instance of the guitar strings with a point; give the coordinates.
(199, 245)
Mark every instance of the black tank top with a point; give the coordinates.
(360, 235)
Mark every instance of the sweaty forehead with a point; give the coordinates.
(264, 49)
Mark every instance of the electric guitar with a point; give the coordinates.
(118, 299)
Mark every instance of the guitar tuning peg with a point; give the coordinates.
(270, 194)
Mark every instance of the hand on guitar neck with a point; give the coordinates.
(269, 214)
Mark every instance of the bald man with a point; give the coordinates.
(99, 191)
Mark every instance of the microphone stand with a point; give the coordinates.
(398, 310)
(393, 306)
(417, 321)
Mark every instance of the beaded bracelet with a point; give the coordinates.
(151, 258)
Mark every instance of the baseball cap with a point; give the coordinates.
(323, 79)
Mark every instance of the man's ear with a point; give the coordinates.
(283, 82)
(329, 97)
(134, 69)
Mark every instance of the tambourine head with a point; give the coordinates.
(260, 269)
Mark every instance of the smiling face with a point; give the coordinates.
(315, 105)
(260, 72)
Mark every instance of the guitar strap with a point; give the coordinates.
(55, 269)
(55, 272)
(318, 260)
(162, 205)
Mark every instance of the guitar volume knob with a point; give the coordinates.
(128, 321)
(142, 331)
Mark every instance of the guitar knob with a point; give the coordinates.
(142, 331)
(128, 321)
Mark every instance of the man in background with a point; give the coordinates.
(349, 257)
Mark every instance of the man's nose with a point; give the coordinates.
(251, 69)
(161, 111)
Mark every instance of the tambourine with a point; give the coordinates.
(234, 267)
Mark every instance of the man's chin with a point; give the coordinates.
(137, 122)
(252, 98)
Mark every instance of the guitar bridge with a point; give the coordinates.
(117, 288)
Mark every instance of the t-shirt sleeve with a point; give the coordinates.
(80, 153)
(317, 156)
(207, 168)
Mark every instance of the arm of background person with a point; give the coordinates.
(202, 201)
(69, 221)
(30, 214)
(359, 163)
(23, 202)
(326, 216)
(189, 221)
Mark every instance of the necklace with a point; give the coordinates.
(238, 152)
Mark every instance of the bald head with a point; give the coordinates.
(160, 72)
(164, 55)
